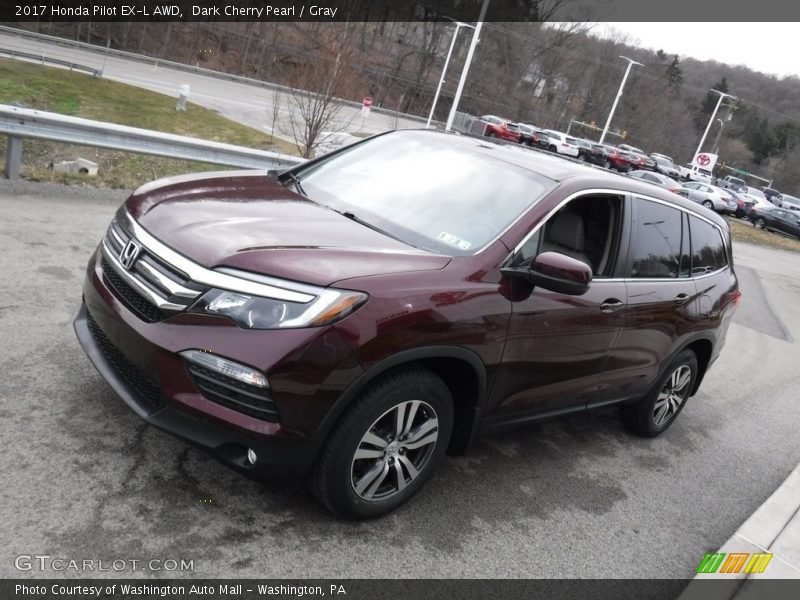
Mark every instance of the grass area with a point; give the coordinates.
(742, 230)
(77, 94)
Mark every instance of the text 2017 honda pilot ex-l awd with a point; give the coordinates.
(357, 317)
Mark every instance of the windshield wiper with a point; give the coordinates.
(353, 217)
(296, 181)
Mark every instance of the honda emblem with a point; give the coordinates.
(129, 254)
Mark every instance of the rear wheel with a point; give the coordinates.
(491, 134)
(760, 223)
(658, 410)
(386, 446)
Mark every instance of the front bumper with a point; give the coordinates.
(225, 444)
(308, 370)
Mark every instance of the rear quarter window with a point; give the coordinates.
(708, 247)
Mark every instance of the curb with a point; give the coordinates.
(773, 528)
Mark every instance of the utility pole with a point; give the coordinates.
(459, 25)
(711, 120)
(631, 62)
(475, 38)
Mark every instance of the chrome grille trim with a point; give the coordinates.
(134, 282)
(265, 287)
(157, 277)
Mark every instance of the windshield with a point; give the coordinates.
(441, 193)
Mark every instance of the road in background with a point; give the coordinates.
(248, 104)
(571, 497)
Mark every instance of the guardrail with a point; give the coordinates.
(18, 123)
(44, 59)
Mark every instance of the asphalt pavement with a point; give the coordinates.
(84, 478)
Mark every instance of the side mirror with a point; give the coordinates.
(555, 272)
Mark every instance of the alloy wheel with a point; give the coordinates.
(394, 450)
(760, 223)
(672, 395)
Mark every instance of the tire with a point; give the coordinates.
(491, 134)
(607, 164)
(760, 223)
(709, 204)
(552, 149)
(670, 394)
(389, 472)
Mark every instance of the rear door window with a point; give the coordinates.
(658, 234)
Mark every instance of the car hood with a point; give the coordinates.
(245, 220)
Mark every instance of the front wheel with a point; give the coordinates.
(760, 223)
(652, 415)
(491, 134)
(709, 204)
(386, 446)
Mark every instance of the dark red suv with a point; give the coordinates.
(355, 318)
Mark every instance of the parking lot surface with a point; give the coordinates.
(570, 497)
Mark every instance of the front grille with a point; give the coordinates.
(149, 286)
(234, 394)
(146, 387)
(132, 299)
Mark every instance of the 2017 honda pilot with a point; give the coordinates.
(358, 316)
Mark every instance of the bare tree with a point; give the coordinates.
(316, 88)
(276, 109)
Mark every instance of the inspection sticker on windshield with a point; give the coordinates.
(454, 240)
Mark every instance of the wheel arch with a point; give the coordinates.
(461, 369)
(703, 348)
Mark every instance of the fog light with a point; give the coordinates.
(226, 367)
(251, 456)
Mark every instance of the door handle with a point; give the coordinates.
(611, 305)
(680, 299)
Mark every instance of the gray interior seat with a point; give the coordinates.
(565, 234)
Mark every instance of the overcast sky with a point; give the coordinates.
(767, 47)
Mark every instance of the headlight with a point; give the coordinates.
(256, 312)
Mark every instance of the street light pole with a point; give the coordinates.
(631, 62)
(713, 116)
(475, 37)
(459, 25)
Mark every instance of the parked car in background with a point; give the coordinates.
(664, 156)
(690, 172)
(708, 196)
(617, 159)
(497, 127)
(776, 219)
(593, 153)
(628, 148)
(642, 162)
(790, 202)
(772, 195)
(665, 166)
(733, 183)
(303, 325)
(660, 180)
(744, 203)
(758, 197)
(529, 135)
(561, 143)
(727, 196)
